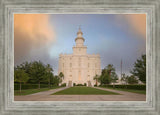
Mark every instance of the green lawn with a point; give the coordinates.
(128, 90)
(31, 91)
(84, 91)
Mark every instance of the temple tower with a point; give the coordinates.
(79, 67)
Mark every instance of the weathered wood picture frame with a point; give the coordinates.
(7, 10)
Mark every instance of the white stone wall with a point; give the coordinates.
(79, 68)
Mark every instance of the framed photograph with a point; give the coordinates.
(80, 57)
(92, 70)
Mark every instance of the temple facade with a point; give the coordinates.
(79, 67)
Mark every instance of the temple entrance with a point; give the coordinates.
(70, 81)
(79, 77)
(89, 84)
(70, 84)
(88, 78)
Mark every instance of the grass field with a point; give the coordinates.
(128, 90)
(84, 91)
(31, 91)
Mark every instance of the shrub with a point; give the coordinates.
(63, 85)
(43, 85)
(30, 86)
(55, 85)
(103, 85)
(79, 85)
(136, 87)
(74, 84)
(85, 84)
(95, 85)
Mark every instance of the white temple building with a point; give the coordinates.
(79, 67)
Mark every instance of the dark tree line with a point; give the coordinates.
(108, 74)
(36, 73)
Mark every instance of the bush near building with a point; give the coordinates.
(63, 85)
(79, 85)
(74, 84)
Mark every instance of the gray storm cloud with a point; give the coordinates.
(33, 36)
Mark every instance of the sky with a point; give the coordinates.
(114, 37)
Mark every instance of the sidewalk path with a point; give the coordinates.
(38, 96)
(46, 96)
(126, 95)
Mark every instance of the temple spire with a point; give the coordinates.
(79, 33)
(79, 39)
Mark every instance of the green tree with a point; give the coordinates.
(49, 74)
(20, 76)
(61, 77)
(139, 69)
(56, 80)
(107, 73)
(96, 77)
(114, 77)
(132, 80)
(110, 69)
(104, 78)
(38, 72)
(124, 78)
(48, 78)
(26, 66)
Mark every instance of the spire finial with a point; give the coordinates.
(79, 27)
(79, 33)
